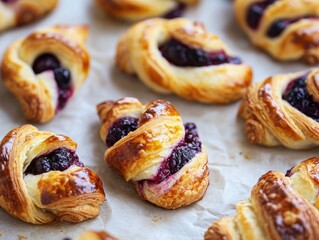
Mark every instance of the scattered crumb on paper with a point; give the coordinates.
(156, 218)
(21, 237)
(246, 155)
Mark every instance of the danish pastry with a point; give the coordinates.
(46, 68)
(134, 10)
(43, 180)
(150, 146)
(283, 110)
(95, 235)
(279, 208)
(181, 57)
(20, 12)
(286, 29)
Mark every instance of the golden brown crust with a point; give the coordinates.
(300, 40)
(280, 208)
(23, 12)
(95, 235)
(272, 121)
(137, 53)
(133, 10)
(73, 195)
(37, 93)
(139, 155)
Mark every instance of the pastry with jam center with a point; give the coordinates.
(181, 57)
(150, 146)
(42, 179)
(45, 69)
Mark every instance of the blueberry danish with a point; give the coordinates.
(43, 180)
(45, 69)
(150, 146)
(181, 57)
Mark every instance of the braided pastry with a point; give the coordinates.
(20, 12)
(283, 110)
(279, 208)
(286, 29)
(44, 69)
(150, 146)
(181, 57)
(134, 10)
(42, 179)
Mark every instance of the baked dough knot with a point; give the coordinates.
(153, 149)
(134, 10)
(46, 68)
(280, 207)
(20, 12)
(181, 57)
(42, 179)
(282, 110)
(286, 29)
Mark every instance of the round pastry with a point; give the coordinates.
(150, 146)
(283, 110)
(181, 57)
(46, 68)
(286, 29)
(94, 235)
(279, 208)
(43, 180)
(134, 10)
(20, 12)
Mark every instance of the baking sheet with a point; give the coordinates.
(235, 165)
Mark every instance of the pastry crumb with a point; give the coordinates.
(246, 155)
(21, 237)
(1, 233)
(156, 218)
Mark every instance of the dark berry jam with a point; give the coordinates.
(255, 13)
(9, 1)
(181, 55)
(184, 152)
(297, 95)
(176, 12)
(279, 26)
(58, 160)
(120, 129)
(288, 173)
(62, 76)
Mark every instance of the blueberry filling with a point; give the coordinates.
(62, 76)
(183, 153)
(288, 173)
(181, 55)
(8, 1)
(279, 26)
(255, 13)
(297, 95)
(176, 12)
(58, 160)
(120, 129)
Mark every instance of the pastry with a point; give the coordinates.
(20, 12)
(279, 208)
(283, 110)
(43, 180)
(149, 146)
(134, 10)
(46, 68)
(94, 235)
(181, 57)
(286, 29)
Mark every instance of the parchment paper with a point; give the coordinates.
(235, 165)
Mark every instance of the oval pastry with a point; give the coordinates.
(283, 110)
(20, 12)
(286, 29)
(94, 235)
(43, 180)
(134, 10)
(46, 68)
(279, 208)
(150, 146)
(181, 57)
